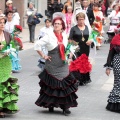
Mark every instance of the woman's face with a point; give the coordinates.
(57, 26)
(116, 7)
(10, 5)
(48, 24)
(81, 21)
(10, 16)
(69, 10)
(95, 7)
(2, 24)
(31, 5)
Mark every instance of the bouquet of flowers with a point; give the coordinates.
(17, 43)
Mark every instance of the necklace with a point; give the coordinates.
(83, 39)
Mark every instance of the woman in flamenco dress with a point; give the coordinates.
(80, 35)
(58, 86)
(8, 84)
(113, 62)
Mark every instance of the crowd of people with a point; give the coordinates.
(64, 46)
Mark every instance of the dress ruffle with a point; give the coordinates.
(115, 107)
(80, 69)
(8, 87)
(81, 64)
(57, 93)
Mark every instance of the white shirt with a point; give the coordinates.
(113, 14)
(45, 30)
(16, 18)
(9, 26)
(50, 41)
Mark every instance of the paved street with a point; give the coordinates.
(92, 97)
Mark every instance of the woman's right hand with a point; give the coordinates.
(107, 72)
(1, 47)
(47, 57)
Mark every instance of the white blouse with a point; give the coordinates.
(50, 41)
(9, 26)
(113, 14)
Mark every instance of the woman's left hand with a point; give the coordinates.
(88, 43)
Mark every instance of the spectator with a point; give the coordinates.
(51, 8)
(16, 17)
(30, 12)
(67, 3)
(59, 6)
(89, 11)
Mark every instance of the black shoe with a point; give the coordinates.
(66, 112)
(51, 109)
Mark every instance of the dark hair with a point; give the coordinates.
(62, 22)
(96, 4)
(47, 20)
(9, 11)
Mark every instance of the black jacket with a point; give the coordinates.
(51, 8)
(90, 15)
(58, 7)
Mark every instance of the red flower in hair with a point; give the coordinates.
(98, 18)
(18, 28)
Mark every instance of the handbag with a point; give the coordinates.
(36, 21)
(30, 20)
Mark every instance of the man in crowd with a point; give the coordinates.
(59, 6)
(89, 11)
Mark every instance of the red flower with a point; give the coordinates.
(19, 42)
(18, 27)
(98, 18)
(96, 25)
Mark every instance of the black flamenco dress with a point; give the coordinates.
(81, 66)
(58, 87)
(113, 62)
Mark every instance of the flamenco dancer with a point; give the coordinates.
(8, 84)
(113, 61)
(58, 86)
(16, 43)
(80, 34)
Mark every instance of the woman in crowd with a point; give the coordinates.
(98, 25)
(58, 87)
(31, 12)
(10, 27)
(9, 7)
(16, 16)
(67, 3)
(113, 61)
(8, 84)
(68, 15)
(79, 34)
(43, 31)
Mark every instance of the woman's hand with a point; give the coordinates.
(88, 43)
(47, 57)
(107, 72)
(1, 47)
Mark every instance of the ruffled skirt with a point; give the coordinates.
(57, 93)
(80, 68)
(8, 87)
(114, 97)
